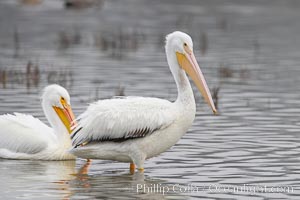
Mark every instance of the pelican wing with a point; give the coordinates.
(122, 119)
(23, 133)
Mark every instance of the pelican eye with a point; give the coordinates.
(187, 48)
(63, 101)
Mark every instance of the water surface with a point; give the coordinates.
(248, 50)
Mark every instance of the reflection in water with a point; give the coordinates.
(65, 40)
(3, 78)
(62, 181)
(16, 43)
(64, 78)
(32, 76)
(120, 91)
(215, 95)
(19, 177)
(110, 184)
(118, 43)
(115, 43)
(225, 72)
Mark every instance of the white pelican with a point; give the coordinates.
(25, 137)
(133, 129)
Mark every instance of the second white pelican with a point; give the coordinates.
(26, 137)
(133, 129)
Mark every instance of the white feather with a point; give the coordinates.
(26, 137)
(24, 133)
(118, 118)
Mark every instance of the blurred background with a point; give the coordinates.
(248, 51)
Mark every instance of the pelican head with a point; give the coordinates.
(179, 45)
(56, 98)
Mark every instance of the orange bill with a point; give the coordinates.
(66, 115)
(189, 64)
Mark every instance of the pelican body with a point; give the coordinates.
(26, 137)
(133, 129)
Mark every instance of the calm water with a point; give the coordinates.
(248, 50)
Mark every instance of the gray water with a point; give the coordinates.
(249, 52)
